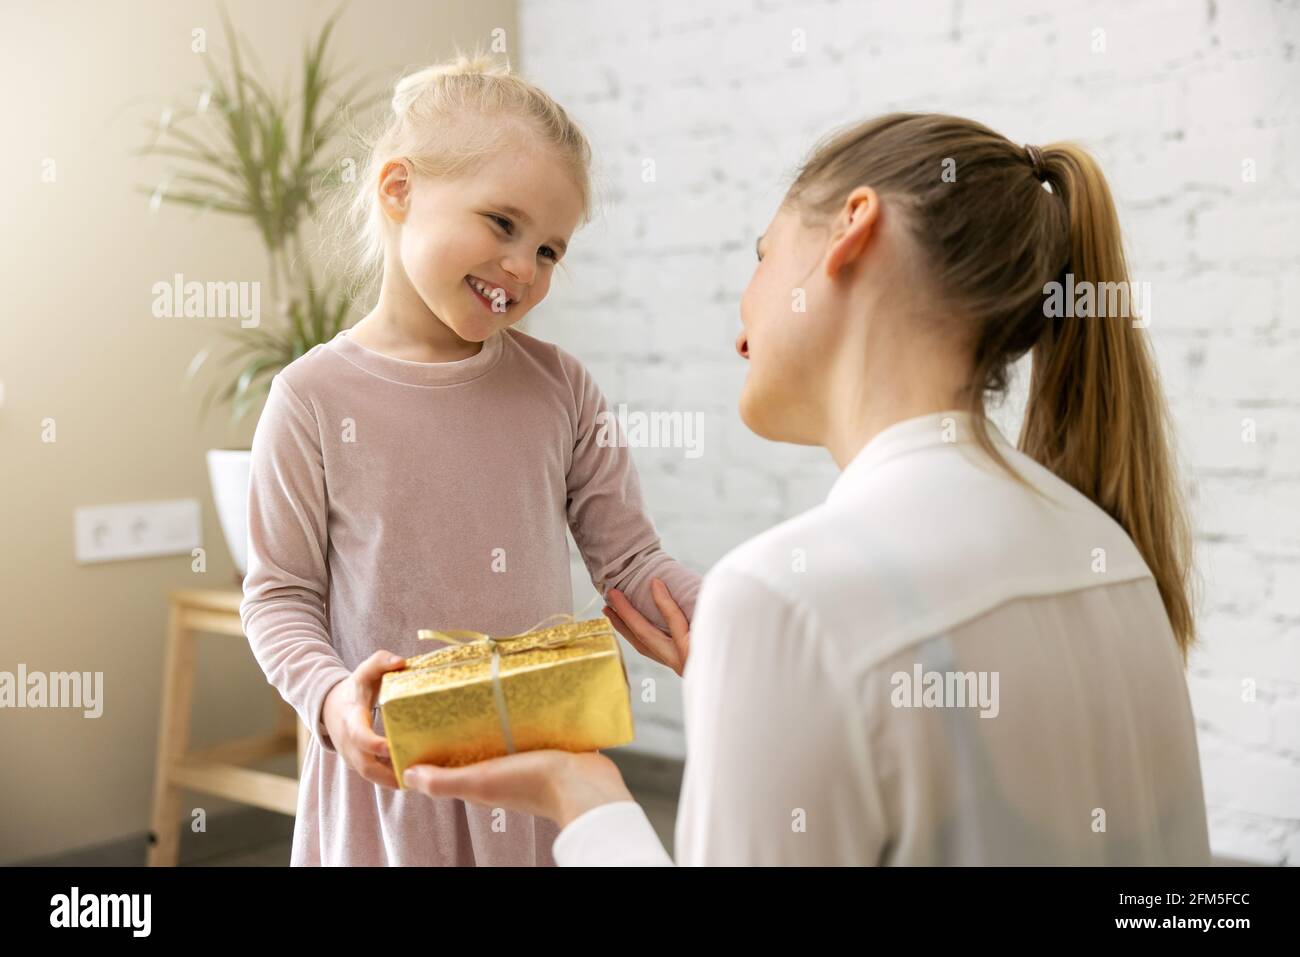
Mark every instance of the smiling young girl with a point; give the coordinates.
(421, 469)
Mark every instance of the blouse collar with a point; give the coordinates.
(949, 427)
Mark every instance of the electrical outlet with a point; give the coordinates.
(108, 533)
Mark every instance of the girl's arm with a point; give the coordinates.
(283, 611)
(607, 516)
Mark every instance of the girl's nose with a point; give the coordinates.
(520, 269)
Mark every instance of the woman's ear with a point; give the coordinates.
(395, 189)
(853, 229)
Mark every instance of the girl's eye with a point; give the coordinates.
(507, 226)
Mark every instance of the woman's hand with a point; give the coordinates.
(554, 784)
(348, 717)
(669, 648)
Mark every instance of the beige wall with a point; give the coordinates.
(78, 344)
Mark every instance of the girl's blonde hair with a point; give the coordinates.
(446, 118)
(993, 239)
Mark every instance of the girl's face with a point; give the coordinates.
(788, 317)
(479, 249)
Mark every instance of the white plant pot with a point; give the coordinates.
(228, 470)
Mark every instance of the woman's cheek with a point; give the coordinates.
(762, 368)
(757, 399)
(752, 298)
(748, 403)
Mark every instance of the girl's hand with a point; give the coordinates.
(348, 717)
(554, 784)
(669, 648)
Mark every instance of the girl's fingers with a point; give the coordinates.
(373, 668)
(363, 734)
(367, 676)
(372, 743)
(376, 773)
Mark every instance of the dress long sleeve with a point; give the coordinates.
(618, 541)
(284, 610)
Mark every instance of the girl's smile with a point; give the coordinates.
(495, 297)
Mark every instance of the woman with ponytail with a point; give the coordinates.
(970, 653)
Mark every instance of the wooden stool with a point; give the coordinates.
(221, 769)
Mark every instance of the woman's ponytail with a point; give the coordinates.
(1096, 415)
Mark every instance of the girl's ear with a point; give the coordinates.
(395, 189)
(852, 229)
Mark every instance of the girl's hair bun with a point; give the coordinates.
(410, 87)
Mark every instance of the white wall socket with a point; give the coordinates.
(106, 533)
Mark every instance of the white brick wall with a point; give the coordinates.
(1181, 95)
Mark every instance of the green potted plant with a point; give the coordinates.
(244, 152)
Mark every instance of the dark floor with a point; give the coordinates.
(257, 838)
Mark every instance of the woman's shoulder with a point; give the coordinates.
(778, 558)
(926, 542)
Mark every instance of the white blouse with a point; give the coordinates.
(937, 665)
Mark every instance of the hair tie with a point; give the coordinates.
(1036, 159)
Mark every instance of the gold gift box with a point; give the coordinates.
(563, 687)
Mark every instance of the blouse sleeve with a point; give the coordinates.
(612, 835)
(766, 717)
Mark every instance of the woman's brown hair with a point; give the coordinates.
(994, 239)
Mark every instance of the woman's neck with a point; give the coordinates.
(864, 404)
(850, 437)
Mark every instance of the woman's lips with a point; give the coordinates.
(742, 345)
